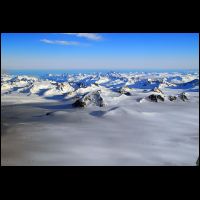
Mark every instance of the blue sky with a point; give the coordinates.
(99, 51)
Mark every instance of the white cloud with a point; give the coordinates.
(59, 42)
(90, 36)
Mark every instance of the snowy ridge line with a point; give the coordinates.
(152, 86)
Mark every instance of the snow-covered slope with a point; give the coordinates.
(111, 84)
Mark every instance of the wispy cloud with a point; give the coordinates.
(59, 42)
(90, 36)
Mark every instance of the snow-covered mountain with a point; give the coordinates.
(111, 85)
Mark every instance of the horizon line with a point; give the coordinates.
(102, 69)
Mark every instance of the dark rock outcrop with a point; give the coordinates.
(79, 103)
(172, 98)
(93, 97)
(183, 96)
(156, 98)
(127, 93)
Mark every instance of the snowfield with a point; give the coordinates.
(137, 119)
